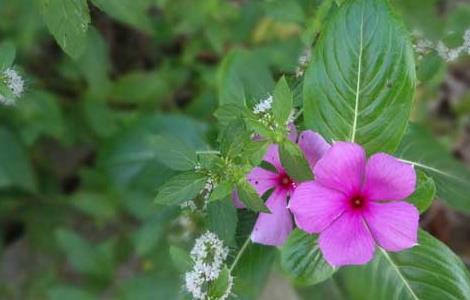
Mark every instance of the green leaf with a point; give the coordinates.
(302, 260)
(181, 258)
(7, 54)
(98, 205)
(357, 88)
(68, 23)
(84, 257)
(293, 160)
(234, 138)
(252, 270)
(70, 293)
(134, 13)
(255, 151)
(41, 109)
(219, 287)
(243, 78)
(282, 101)
(250, 198)
(95, 65)
(428, 271)
(222, 219)
(451, 177)
(429, 66)
(228, 113)
(15, 168)
(174, 153)
(424, 193)
(180, 188)
(221, 190)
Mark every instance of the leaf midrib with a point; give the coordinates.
(400, 275)
(358, 85)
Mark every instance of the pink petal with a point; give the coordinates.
(313, 145)
(315, 206)
(387, 178)
(347, 241)
(236, 200)
(272, 157)
(394, 225)
(262, 180)
(274, 228)
(342, 167)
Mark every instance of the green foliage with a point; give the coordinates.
(451, 177)
(355, 88)
(180, 188)
(302, 260)
(222, 220)
(282, 102)
(424, 193)
(250, 198)
(7, 54)
(15, 169)
(428, 271)
(293, 160)
(68, 23)
(134, 14)
(94, 139)
(174, 153)
(244, 78)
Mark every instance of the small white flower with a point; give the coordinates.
(194, 283)
(191, 205)
(208, 256)
(14, 82)
(264, 106)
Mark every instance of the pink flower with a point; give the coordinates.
(274, 228)
(354, 204)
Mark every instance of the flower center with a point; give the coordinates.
(286, 182)
(357, 202)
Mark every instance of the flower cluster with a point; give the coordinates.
(264, 106)
(15, 84)
(205, 193)
(208, 256)
(423, 46)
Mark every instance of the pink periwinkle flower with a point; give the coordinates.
(274, 228)
(356, 204)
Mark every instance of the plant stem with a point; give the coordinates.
(239, 254)
(298, 114)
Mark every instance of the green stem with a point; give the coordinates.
(298, 114)
(239, 254)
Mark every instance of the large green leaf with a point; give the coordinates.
(451, 177)
(360, 83)
(302, 260)
(68, 23)
(429, 271)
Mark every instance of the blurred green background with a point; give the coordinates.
(78, 174)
